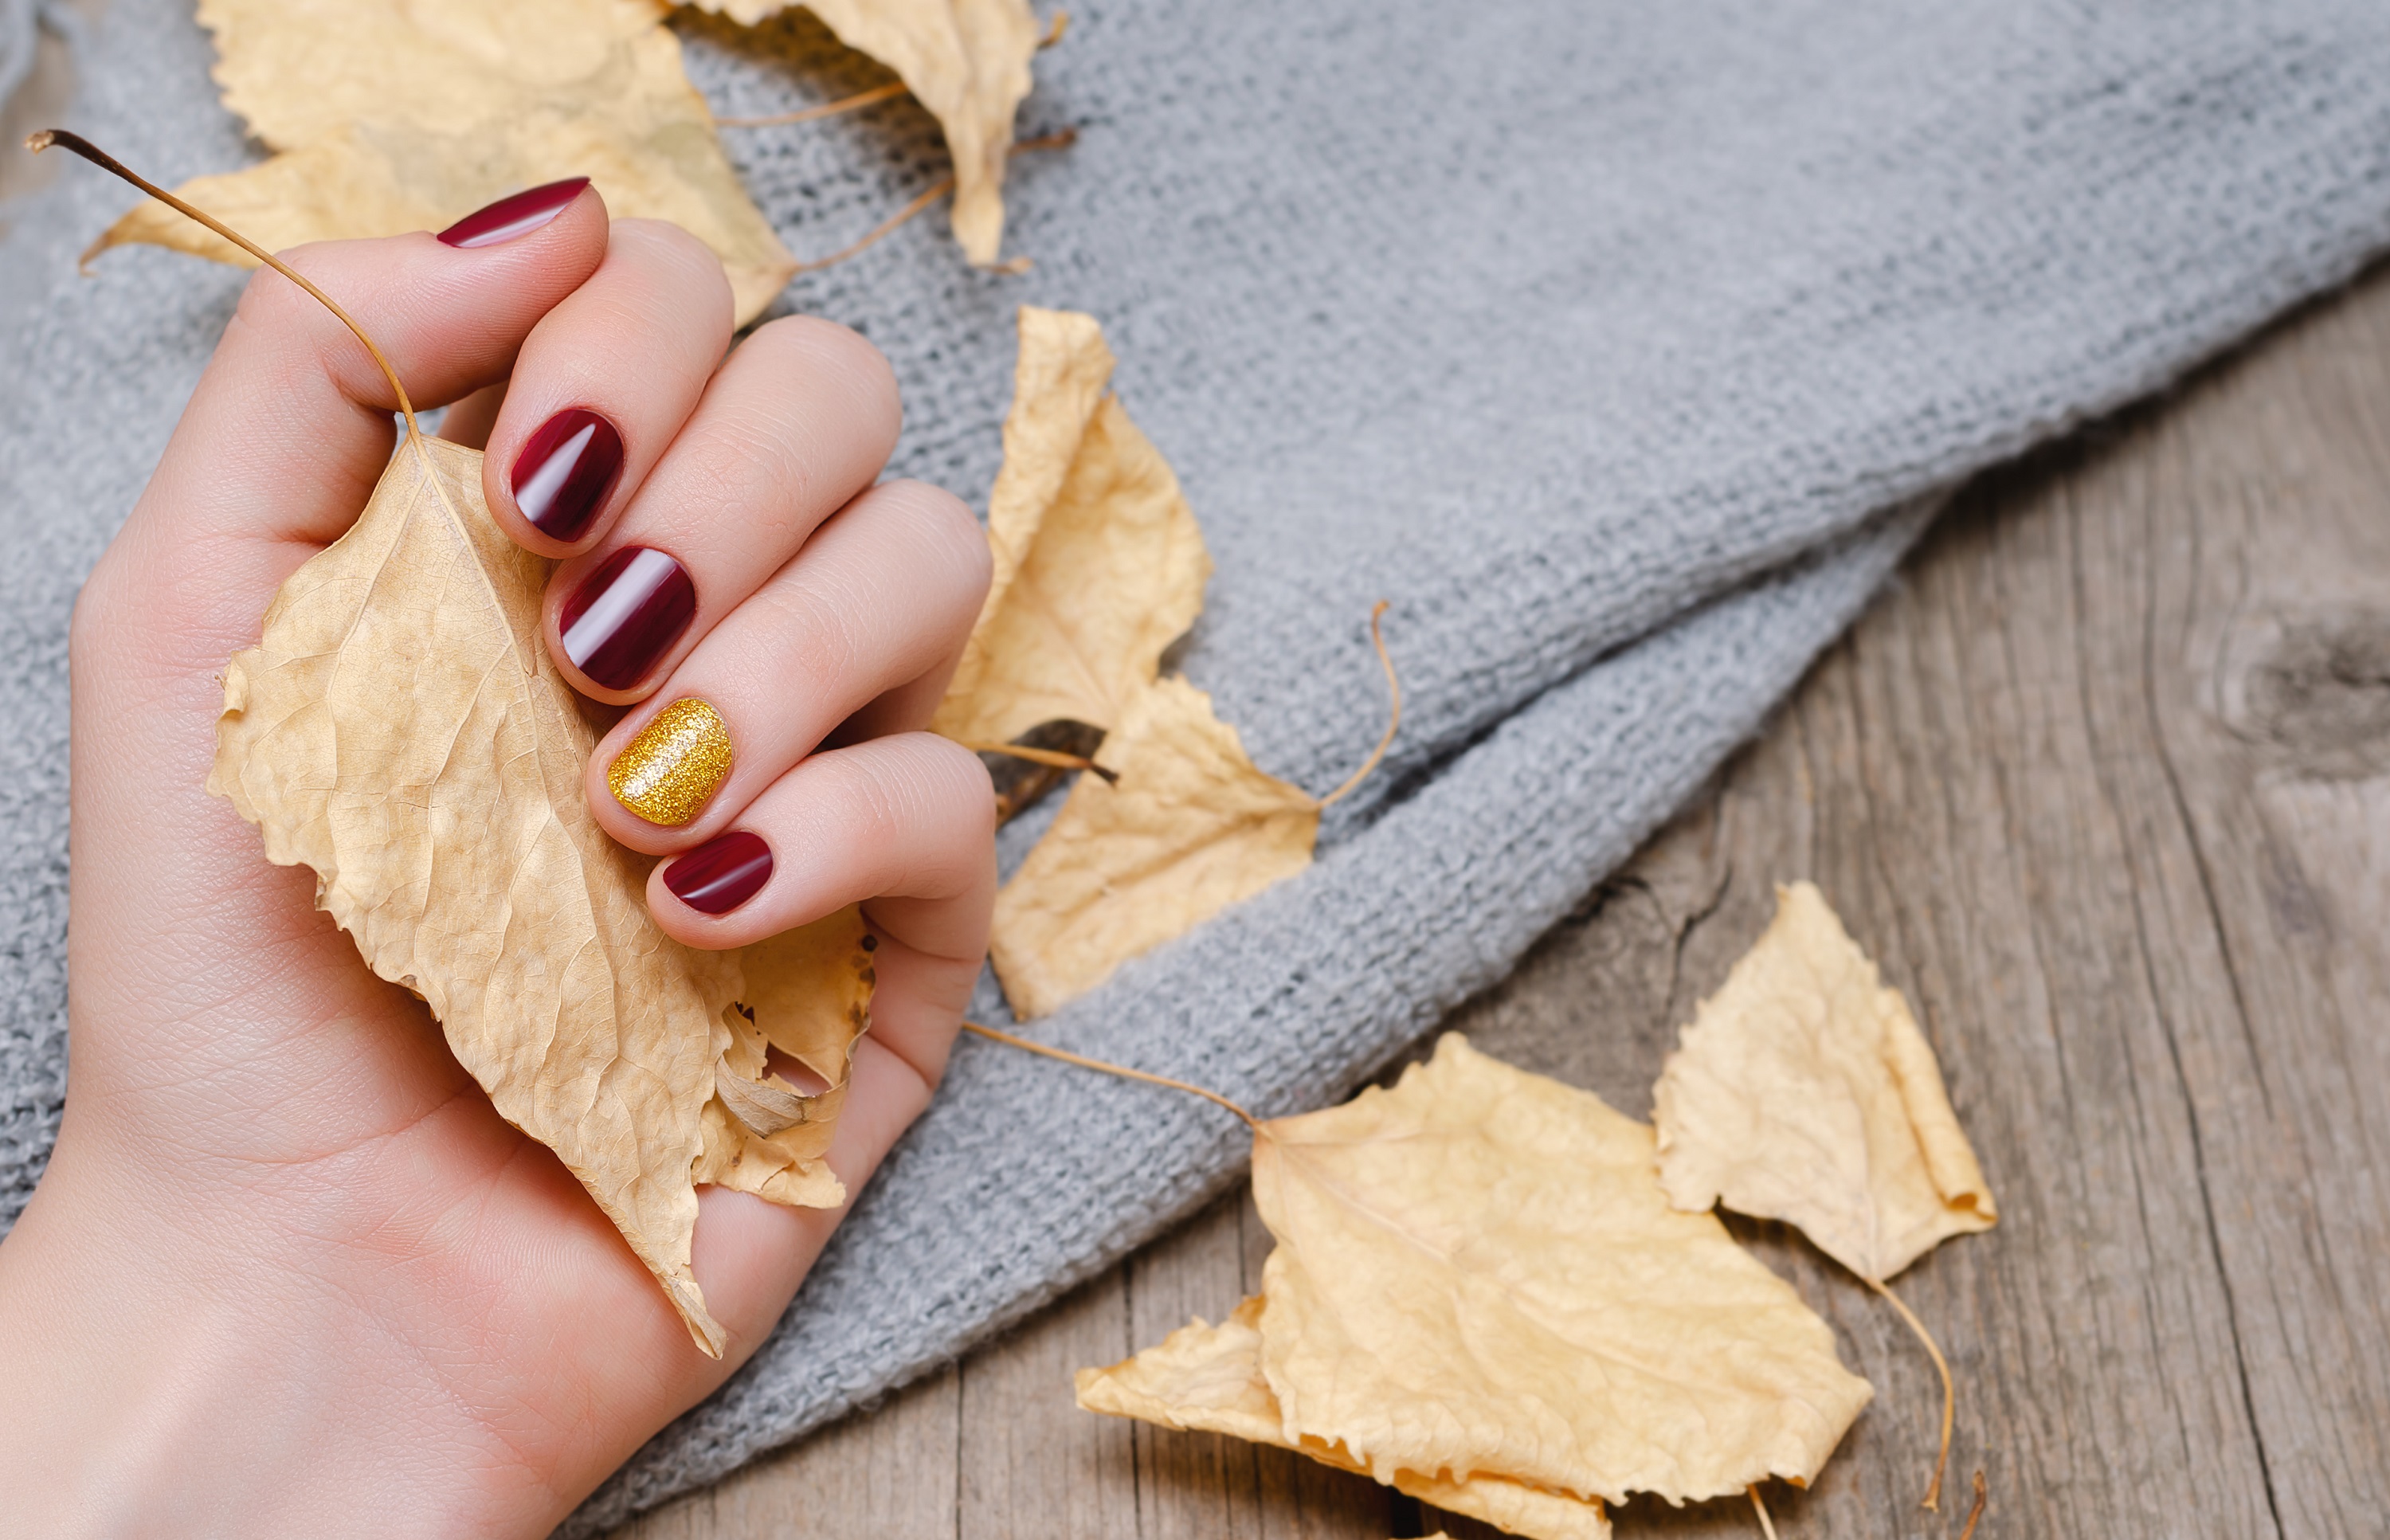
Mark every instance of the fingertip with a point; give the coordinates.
(602, 386)
(289, 429)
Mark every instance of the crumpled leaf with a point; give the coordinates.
(967, 61)
(809, 992)
(1209, 1379)
(1804, 1091)
(1190, 828)
(1478, 1274)
(1098, 564)
(401, 729)
(398, 115)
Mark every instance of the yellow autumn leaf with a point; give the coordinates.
(390, 116)
(1209, 1379)
(1478, 1274)
(967, 61)
(401, 729)
(1804, 1091)
(808, 993)
(1098, 564)
(1188, 828)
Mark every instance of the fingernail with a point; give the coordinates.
(565, 471)
(721, 874)
(627, 615)
(674, 767)
(514, 216)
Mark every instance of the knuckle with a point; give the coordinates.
(287, 325)
(944, 535)
(842, 354)
(677, 262)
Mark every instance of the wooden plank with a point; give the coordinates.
(2104, 783)
(1033, 1464)
(2265, 724)
(889, 1474)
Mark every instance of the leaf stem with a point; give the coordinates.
(937, 191)
(1767, 1525)
(110, 163)
(1123, 1071)
(855, 103)
(1395, 721)
(1054, 757)
(1949, 1395)
(1975, 1514)
(1062, 139)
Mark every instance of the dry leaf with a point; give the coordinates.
(1209, 1379)
(1191, 827)
(398, 115)
(401, 729)
(967, 61)
(1478, 1273)
(810, 993)
(1804, 1091)
(1098, 564)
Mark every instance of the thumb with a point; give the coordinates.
(289, 426)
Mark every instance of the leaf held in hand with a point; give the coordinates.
(390, 116)
(1098, 564)
(1804, 1091)
(401, 729)
(1477, 1274)
(1189, 828)
(1209, 1379)
(967, 61)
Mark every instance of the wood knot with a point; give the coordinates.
(2321, 692)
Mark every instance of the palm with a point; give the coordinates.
(263, 1075)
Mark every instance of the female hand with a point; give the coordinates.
(287, 1271)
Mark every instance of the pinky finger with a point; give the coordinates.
(908, 820)
(904, 826)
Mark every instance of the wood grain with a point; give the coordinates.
(2104, 783)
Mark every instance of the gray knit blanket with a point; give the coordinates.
(1623, 346)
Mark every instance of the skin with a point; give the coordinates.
(287, 1272)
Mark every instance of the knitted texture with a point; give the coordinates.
(1621, 346)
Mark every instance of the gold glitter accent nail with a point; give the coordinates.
(674, 766)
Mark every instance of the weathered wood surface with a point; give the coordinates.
(2104, 782)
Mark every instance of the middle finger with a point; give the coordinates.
(798, 419)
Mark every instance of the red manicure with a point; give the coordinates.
(515, 215)
(627, 615)
(721, 874)
(563, 474)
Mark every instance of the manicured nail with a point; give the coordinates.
(627, 615)
(674, 767)
(721, 874)
(563, 474)
(515, 215)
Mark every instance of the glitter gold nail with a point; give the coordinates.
(674, 766)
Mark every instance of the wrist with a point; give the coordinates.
(164, 1374)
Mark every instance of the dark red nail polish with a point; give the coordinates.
(514, 216)
(627, 615)
(721, 874)
(563, 474)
